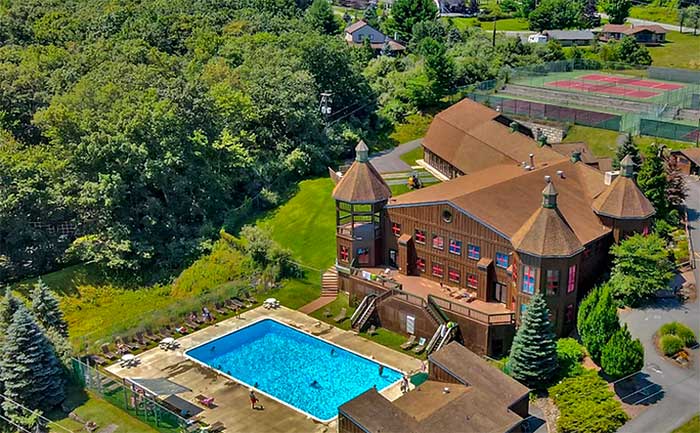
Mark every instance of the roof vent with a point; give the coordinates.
(560, 173)
(548, 179)
(532, 160)
(610, 176)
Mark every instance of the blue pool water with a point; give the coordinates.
(285, 362)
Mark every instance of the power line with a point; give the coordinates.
(41, 417)
(14, 424)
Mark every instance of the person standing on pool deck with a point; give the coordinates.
(253, 398)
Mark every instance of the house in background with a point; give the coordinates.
(355, 35)
(647, 34)
(461, 259)
(688, 160)
(568, 38)
(463, 394)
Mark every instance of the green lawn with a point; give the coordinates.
(411, 156)
(681, 51)
(413, 128)
(508, 24)
(92, 408)
(602, 142)
(692, 426)
(659, 14)
(306, 224)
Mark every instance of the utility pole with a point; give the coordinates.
(326, 104)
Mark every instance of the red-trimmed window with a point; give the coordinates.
(474, 252)
(502, 260)
(552, 281)
(453, 275)
(438, 242)
(419, 236)
(472, 281)
(344, 253)
(456, 247)
(528, 280)
(362, 255)
(569, 313)
(420, 264)
(438, 270)
(571, 283)
(396, 229)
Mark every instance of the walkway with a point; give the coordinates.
(316, 304)
(389, 161)
(679, 388)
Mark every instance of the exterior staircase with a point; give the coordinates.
(329, 283)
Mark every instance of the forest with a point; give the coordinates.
(132, 131)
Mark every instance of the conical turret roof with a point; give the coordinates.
(623, 199)
(362, 183)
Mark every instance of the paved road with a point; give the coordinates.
(390, 162)
(679, 388)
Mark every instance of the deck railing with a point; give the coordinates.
(472, 313)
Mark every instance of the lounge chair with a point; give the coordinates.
(216, 427)
(240, 303)
(219, 308)
(231, 305)
(124, 344)
(204, 400)
(372, 330)
(409, 343)
(165, 332)
(327, 312)
(421, 346)
(98, 360)
(341, 316)
(140, 339)
(153, 336)
(108, 353)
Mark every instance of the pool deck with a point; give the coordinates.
(232, 406)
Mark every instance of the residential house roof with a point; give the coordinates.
(630, 30)
(352, 28)
(362, 183)
(570, 35)
(692, 153)
(485, 194)
(473, 137)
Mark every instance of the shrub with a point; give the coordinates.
(586, 405)
(670, 344)
(598, 320)
(622, 355)
(570, 354)
(679, 330)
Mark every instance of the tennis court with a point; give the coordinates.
(632, 82)
(613, 89)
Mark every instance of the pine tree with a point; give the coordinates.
(676, 190)
(8, 305)
(29, 368)
(320, 16)
(622, 356)
(46, 309)
(653, 183)
(533, 356)
(600, 323)
(369, 15)
(628, 147)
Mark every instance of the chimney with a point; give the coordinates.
(610, 176)
(560, 173)
(547, 179)
(532, 160)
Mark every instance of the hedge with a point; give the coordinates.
(671, 344)
(586, 405)
(569, 355)
(679, 330)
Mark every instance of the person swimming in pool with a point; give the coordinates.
(315, 384)
(332, 352)
(381, 369)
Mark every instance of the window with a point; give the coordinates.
(438, 242)
(420, 264)
(393, 254)
(528, 280)
(447, 216)
(456, 247)
(438, 270)
(571, 284)
(502, 260)
(474, 252)
(552, 281)
(523, 309)
(472, 281)
(569, 313)
(363, 255)
(344, 253)
(396, 229)
(453, 275)
(419, 236)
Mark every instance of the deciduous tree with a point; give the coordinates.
(320, 16)
(617, 10)
(407, 13)
(533, 356)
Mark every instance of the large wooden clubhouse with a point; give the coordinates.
(459, 260)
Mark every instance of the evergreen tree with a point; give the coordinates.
(320, 16)
(589, 16)
(46, 309)
(533, 356)
(676, 189)
(653, 182)
(600, 322)
(8, 305)
(622, 356)
(369, 15)
(628, 147)
(29, 368)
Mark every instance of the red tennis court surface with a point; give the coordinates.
(632, 81)
(602, 88)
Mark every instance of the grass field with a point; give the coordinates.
(602, 142)
(508, 24)
(659, 14)
(411, 156)
(692, 426)
(681, 51)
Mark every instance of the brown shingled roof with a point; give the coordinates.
(692, 153)
(473, 137)
(377, 414)
(546, 234)
(352, 28)
(623, 200)
(362, 183)
(484, 195)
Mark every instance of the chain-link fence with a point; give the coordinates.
(132, 401)
(675, 131)
(537, 110)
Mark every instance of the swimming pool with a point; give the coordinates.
(295, 368)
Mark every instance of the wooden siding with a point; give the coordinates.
(392, 315)
(437, 374)
(347, 426)
(441, 165)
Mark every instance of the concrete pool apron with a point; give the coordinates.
(232, 405)
(268, 395)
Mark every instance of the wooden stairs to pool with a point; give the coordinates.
(329, 291)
